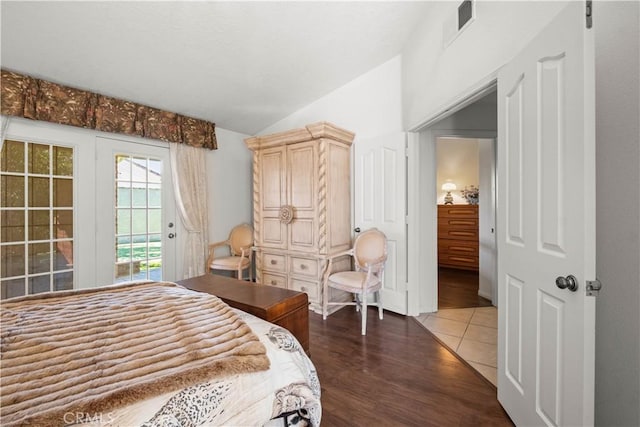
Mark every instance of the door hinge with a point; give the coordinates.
(589, 13)
(593, 288)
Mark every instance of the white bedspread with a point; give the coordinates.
(291, 384)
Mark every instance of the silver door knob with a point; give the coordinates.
(171, 235)
(569, 282)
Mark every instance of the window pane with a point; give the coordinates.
(12, 156)
(155, 245)
(140, 248)
(123, 195)
(63, 256)
(12, 190)
(155, 170)
(123, 271)
(139, 220)
(39, 159)
(139, 169)
(123, 168)
(39, 258)
(12, 288)
(123, 221)
(155, 220)
(63, 224)
(155, 196)
(39, 225)
(12, 229)
(12, 260)
(63, 161)
(62, 192)
(39, 284)
(38, 192)
(153, 269)
(63, 281)
(123, 248)
(139, 199)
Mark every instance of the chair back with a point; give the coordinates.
(241, 237)
(370, 248)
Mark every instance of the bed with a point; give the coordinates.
(149, 354)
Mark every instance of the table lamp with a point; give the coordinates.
(448, 187)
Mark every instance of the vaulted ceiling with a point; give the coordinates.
(242, 65)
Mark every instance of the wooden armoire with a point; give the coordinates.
(301, 206)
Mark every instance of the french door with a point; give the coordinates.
(135, 212)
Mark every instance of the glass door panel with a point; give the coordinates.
(36, 234)
(142, 206)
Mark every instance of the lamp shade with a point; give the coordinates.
(448, 186)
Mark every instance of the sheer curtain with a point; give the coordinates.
(188, 169)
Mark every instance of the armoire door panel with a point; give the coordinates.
(301, 176)
(274, 233)
(272, 177)
(302, 235)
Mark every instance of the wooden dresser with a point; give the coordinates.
(301, 206)
(458, 236)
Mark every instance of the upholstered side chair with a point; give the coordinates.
(239, 243)
(369, 253)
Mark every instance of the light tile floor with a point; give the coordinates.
(472, 333)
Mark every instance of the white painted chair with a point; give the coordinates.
(369, 253)
(239, 242)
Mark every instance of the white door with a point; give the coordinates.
(380, 202)
(135, 212)
(546, 210)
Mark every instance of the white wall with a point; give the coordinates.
(369, 105)
(229, 175)
(433, 76)
(457, 162)
(617, 41)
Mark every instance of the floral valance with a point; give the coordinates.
(37, 99)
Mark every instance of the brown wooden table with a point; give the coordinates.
(283, 307)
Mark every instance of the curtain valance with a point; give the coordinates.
(28, 97)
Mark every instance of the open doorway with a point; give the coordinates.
(459, 293)
(464, 225)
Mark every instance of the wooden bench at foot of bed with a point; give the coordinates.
(283, 307)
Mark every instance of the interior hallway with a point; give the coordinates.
(465, 323)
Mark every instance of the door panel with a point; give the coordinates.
(136, 225)
(380, 202)
(546, 193)
(272, 232)
(302, 195)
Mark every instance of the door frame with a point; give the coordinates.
(421, 191)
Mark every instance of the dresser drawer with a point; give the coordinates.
(274, 280)
(311, 288)
(304, 266)
(457, 211)
(455, 233)
(457, 247)
(458, 261)
(458, 223)
(274, 262)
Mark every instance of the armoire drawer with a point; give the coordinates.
(274, 280)
(458, 223)
(457, 211)
(304, 267)
(274, 262)
(311, 288)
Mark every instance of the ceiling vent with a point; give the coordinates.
(458, 20)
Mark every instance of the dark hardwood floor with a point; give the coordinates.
(459, 289)
(396, 375)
